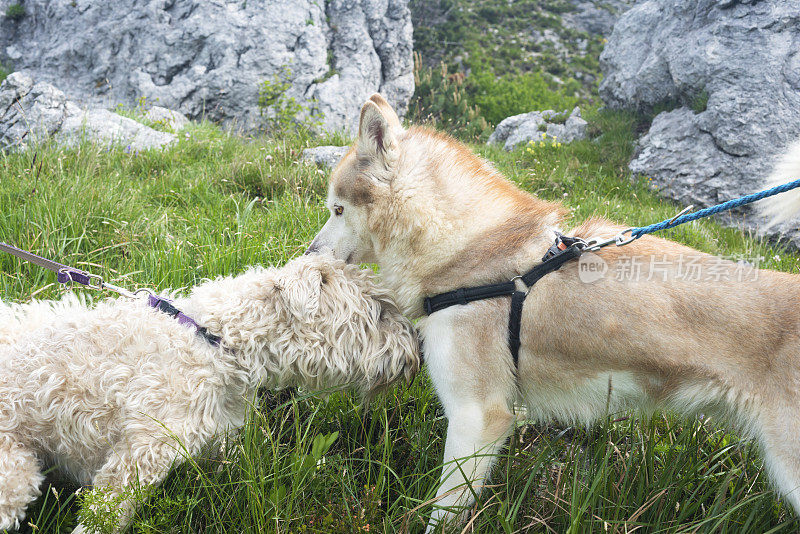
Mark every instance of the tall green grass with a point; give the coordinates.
(214, 203)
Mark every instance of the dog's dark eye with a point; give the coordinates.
(338, 210)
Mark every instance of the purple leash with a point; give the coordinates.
(66, 275)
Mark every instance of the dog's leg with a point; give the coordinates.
(142, 465)
(20, 478)
(780, 439)
(476, 392)
(475, 434)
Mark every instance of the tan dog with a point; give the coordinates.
(683, 331)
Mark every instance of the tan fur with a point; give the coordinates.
(441, 218)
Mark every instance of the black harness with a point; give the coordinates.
(563, 250)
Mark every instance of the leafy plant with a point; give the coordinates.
(282, 113)
(4, 72)
(498, 98)
(15, 12)
(440, 98)
(700, 102)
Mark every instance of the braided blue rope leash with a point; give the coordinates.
(638, 232)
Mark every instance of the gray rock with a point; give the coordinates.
(742, 56)
(207, 58)
(674, 138)
(105, 127)
(593, 17)
(169, 118)
(325, 156)
(520, 129)
(32, 113)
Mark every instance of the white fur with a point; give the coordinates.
(780, 208)
(104, 392)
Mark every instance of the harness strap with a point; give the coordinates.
(515, 325)
(552, 263)
(465, 295)
(563, 250)
(165, 306)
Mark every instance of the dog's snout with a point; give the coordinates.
(313, 248)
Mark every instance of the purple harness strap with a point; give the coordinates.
(66, 274)
(166, 306)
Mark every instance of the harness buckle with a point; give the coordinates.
(68, 284)
(622, 240)
(526, 289)
(95, 281)
(596, 243)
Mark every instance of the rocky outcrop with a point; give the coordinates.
(208, 58)
(730, 69)
(595, 17)
(548, 126)
(326, 156)
(33, 112)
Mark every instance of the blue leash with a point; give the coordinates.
(683, 217)
(636, 233)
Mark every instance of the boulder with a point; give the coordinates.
(729, 70)
(168, 118)
(209, 58)
(325, 156)
(32, 112)
(537, 126)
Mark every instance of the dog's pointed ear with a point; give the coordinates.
(377, 140)
(300, 291)
(387, 111)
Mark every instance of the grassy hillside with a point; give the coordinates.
(214, 203)
(478, 62)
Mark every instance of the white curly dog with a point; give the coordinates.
(104, 392)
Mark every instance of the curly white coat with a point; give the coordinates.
(105, 391)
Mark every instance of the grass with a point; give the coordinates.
(504, 57)
(214, 203)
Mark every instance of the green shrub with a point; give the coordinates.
(469, 106)
(281, 113)
(700, 102)
(513, 94)
(15, 12)
(440, 98)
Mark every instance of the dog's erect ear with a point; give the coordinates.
(388, 112)
(376, 136)
(300, 291)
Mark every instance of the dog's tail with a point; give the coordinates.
(785, 206)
